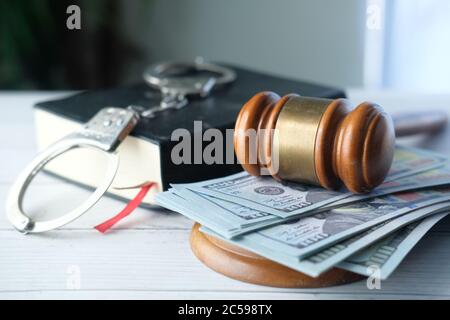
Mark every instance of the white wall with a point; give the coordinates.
(418, 46)
(317, 40)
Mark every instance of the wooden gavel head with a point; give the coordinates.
(317, 141)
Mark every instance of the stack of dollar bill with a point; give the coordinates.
(311, 229)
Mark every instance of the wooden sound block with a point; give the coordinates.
(240, 264)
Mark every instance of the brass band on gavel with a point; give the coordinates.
(317, 141)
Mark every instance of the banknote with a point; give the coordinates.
(267, 195)
(231, 219)
(291, 199)
(310, 228)
(427, 179)
(227, 212)
(385, 255)
(322, 261)
(307, 235)
(212, 217)
(174, 202)
(408, 161)
(316, 264)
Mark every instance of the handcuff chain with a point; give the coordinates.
(169, 101)
(175, 92)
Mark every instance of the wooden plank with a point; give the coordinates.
(47, 201)
(148, 255)
(13, 162)
(23, 136)
(206, 295)
(16, 107)
(160, 260)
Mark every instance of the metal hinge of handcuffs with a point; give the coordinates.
(107, 129)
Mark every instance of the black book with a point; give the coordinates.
(146, 154)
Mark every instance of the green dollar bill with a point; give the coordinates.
(307, 235)
(323, 260)
(386, 254)
(290, 199)
(230, 219)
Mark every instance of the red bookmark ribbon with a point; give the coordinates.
(129, 208)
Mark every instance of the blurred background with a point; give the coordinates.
(375, 44)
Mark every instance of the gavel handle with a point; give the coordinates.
(407, 124)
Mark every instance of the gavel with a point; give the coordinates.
(324, 142)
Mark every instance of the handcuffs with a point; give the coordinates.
(107, 129)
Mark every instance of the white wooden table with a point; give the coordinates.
(147, 255)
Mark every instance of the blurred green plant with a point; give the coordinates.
(38, 52)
